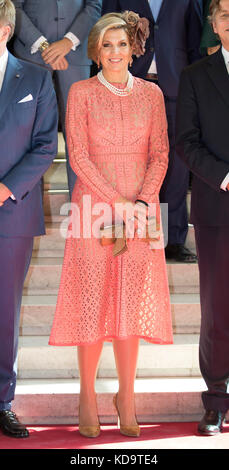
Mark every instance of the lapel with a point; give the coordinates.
(147, 12)
(218, 73)
(134, 6)
(162, 9)
(12, 78)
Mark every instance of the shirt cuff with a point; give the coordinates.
(35, 46)
(225, 183)
(74, 39)
(13, 197)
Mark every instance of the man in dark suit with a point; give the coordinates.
(28, 130)
(175, 32)
(202, 142)
(54, 33)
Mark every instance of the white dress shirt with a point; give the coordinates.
(226, 58)
(153, 65)
(75, 41)
(3, 65)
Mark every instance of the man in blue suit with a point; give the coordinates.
(175, 32)
(54, 33)
(28, 130)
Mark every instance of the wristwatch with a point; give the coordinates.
(143, 202)
(43, 46)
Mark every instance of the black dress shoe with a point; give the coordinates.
(180, 253)
(212, 422)
(11, 426)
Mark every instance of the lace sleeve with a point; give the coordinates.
(158, 151)
(78, 146)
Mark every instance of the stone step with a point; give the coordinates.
(56, 176)
(55, 401)
(39, 360)
(61, 146)
(37, 314)
(44, 277)
(54, 219)
(53, 201)
(53, 240)
(52, 244)
(190, 240)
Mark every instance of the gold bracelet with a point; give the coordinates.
(43, 46)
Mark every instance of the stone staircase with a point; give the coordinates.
(168, 383)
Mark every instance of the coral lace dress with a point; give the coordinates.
(118, 145)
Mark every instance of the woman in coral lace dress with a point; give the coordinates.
(118, 146)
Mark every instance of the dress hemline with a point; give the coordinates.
(109, 339)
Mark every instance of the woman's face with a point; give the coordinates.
(115, 52)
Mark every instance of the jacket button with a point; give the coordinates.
(152, 49)
(156, 26)
(24, 195)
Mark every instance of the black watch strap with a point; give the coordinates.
(144, 202)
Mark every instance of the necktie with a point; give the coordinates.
(155, 6)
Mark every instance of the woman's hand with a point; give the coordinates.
(134, 215)
(146, 220)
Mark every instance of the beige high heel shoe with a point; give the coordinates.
(89, 431)
(131, 431)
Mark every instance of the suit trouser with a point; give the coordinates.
(15, 256)
(63, 80)
(213, 258)
(175, 185)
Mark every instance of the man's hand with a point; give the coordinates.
(57, 50)
(61, 64)
(5, 193)
(228, 187)
(212, 50)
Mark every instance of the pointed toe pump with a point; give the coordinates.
(89, 431)
(131, 431)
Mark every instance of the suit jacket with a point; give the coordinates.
(202, 137)
(53, 19)
(28, 135)
(175, 38)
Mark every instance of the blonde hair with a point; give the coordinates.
(106, 22)
(213, 9)
(8, 15)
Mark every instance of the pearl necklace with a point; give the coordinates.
(117, 91)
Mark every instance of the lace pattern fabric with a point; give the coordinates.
(117, 146)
